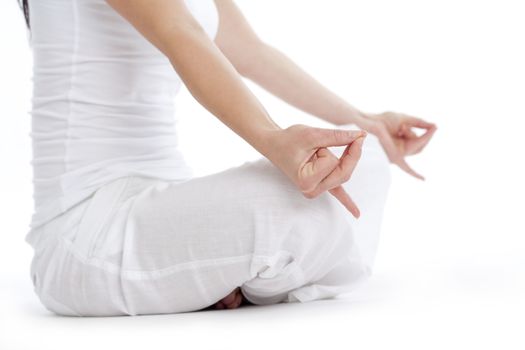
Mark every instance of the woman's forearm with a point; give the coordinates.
(278, 74)
(206, 72)
(215, 83)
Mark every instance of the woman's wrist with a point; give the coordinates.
(269, 142)
(263, 137)
(360, 119)
(348, 114)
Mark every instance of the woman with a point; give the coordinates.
(122, 227)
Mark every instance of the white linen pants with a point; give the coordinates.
(146, 246)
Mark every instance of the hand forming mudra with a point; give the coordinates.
(394, 131)
(301, 153)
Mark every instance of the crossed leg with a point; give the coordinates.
(372, 174)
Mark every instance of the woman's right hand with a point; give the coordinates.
(301, 152)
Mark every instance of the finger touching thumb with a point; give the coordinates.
(323, 137)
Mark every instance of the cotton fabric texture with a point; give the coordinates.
(103, 103)
(121, 226)
(146, 246)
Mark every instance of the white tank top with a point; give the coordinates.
(103, 102)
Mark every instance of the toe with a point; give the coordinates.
(238, 299)
(228, 301)
(235, 301)
(230, 298)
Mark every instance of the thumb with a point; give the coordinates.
(323, 137)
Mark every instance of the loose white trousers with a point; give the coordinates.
(146, 246)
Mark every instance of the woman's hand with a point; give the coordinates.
(394, 131)
(301, 153)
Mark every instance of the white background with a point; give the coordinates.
(451, 268)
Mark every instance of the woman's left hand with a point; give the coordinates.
(394, 131)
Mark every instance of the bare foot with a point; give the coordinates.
(231, 301)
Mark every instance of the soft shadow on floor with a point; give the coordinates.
(409, 307)
(375, 290)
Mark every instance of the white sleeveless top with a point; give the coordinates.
(103, 102)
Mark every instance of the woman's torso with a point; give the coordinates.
(103, 102)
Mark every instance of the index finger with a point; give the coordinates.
(343, 170)
(395, 156)
(417, 144)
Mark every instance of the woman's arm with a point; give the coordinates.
(299, 151)
(275, 72)
(209, 76)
